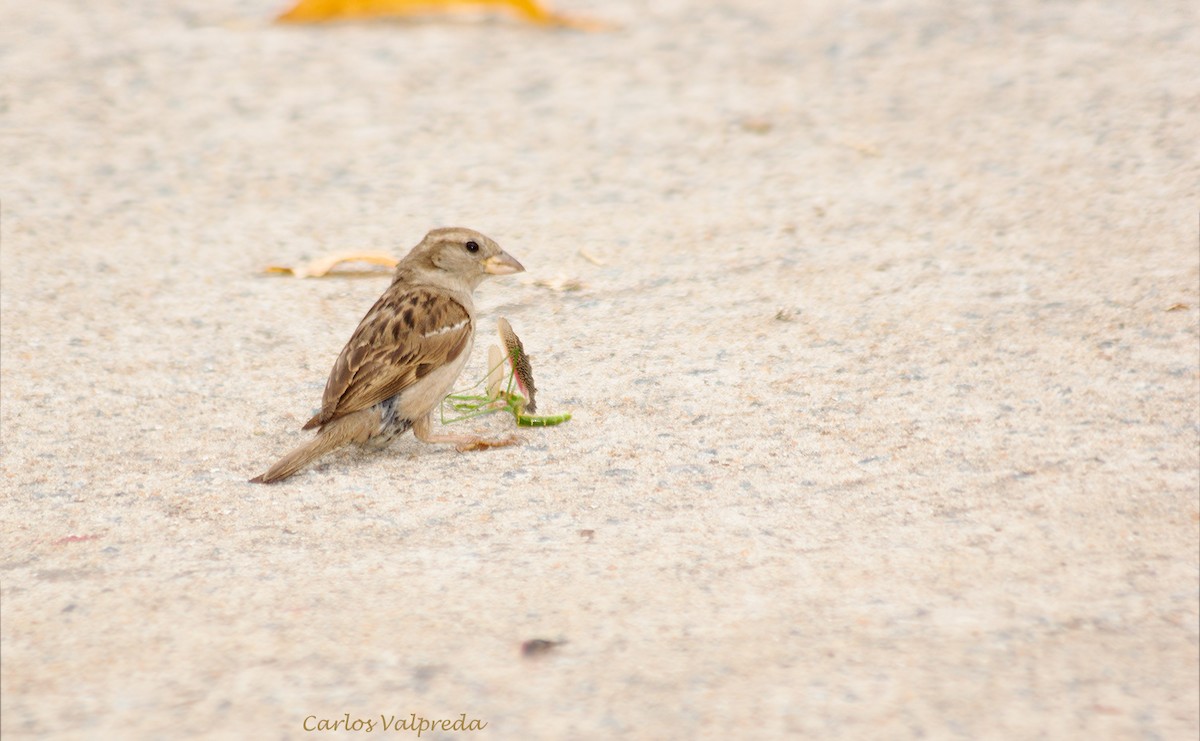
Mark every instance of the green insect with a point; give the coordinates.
(512, 369)
(525, 420)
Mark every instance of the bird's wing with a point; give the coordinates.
(406, 335)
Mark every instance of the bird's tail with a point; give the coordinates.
(353, 428)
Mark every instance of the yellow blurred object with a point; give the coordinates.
(314, 11)
(323, 265)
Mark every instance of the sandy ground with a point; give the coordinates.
(884, 363)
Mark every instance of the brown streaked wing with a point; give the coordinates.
(396, 344)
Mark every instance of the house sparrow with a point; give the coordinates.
(407, 351)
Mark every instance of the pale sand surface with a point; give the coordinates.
(885, 394)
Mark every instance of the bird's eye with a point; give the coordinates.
(472, 246)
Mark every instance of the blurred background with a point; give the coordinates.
(878, 320)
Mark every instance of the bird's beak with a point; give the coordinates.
(502, 264)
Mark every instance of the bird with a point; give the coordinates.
(406, 353)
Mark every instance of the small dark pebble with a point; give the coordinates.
(538, 647)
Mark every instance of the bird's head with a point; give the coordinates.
(462, 254)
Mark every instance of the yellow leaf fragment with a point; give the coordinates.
(865, 148)
(592, 258)
(560, 284)
(322, 266)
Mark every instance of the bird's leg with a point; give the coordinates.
(423, 429)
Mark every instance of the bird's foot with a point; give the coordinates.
(479, 443)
